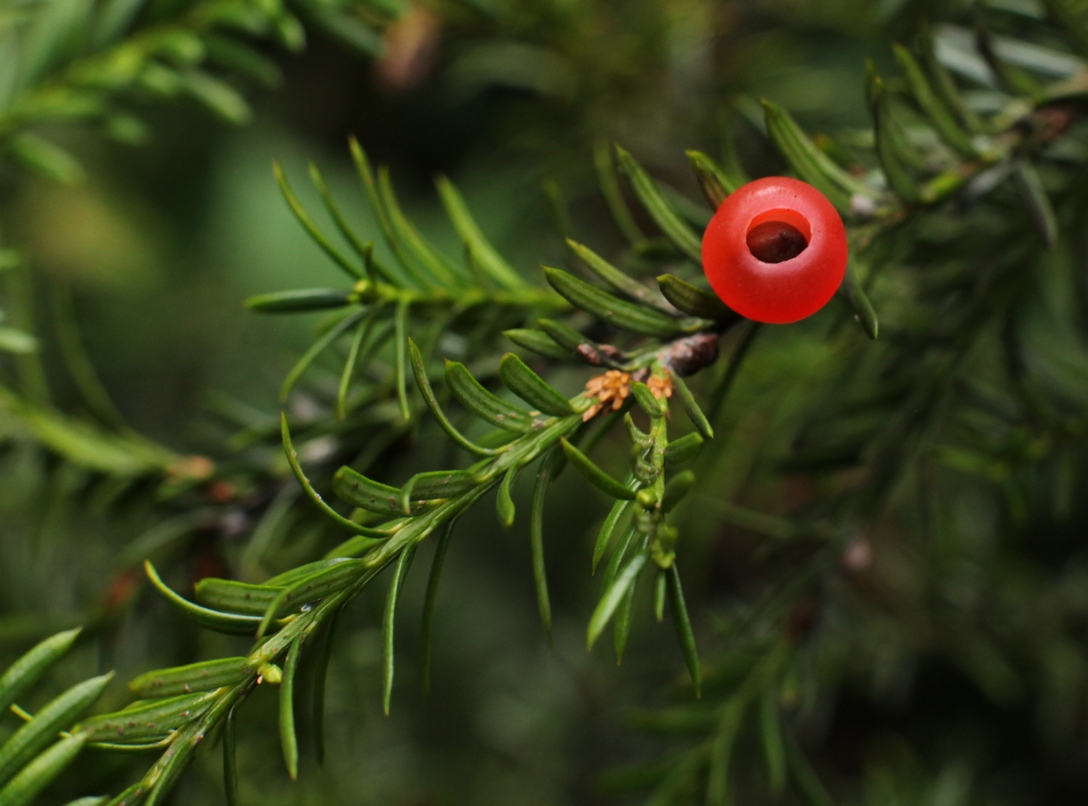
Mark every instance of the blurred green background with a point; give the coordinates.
(161, 243)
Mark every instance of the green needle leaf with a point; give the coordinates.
(538, 342)
(536, 541)
(236, 597)
(366, 176)
(691, 407)
(749, 331)
(229, 623)
(365, 249)
(601, 480)
(311, 228)
(572, 340)
(730, 160)
(613, 194)
(29, 668)
(441, 271)
(433, 485)
(858, 301)
(483, 253)
(718, 791)
(1015, 79)
(894, 153)
(321, 674)
(608, 528)
(619, 555)
(474, 397)
(693, 300)
(404, 562)
(567, 337)
(169, 768)
(684, 632)
(134, 794)
(329, 512)
(504, 502)
(312, 588)
(58, 714)
(307, 299)
(179, 680)
(620, 313)
(639, 438)
(356, 489)
(150, 719)
(622, 626)
(646, 400)
(362, 333)
(811, 164)
(770, 734)
(620, 281)
(134, 747)
(1035, 198)
(559, 207)
(288, 578)
(658, 209)
(429, 602)
(613, 596)
(661, 582)
(683, 450)
(230, 757)
(944, 84)
(37, 775)
(424, 384)
(317, 348)
(678, 487)
(715, 185)
(939, 116)
(401, 362)
(288, 737)
(530, 387)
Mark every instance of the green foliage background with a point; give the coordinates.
(905, 515)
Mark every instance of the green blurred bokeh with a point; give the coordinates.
(162, 243)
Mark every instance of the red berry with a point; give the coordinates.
(775, 251)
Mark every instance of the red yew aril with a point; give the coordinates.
(775, 251)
